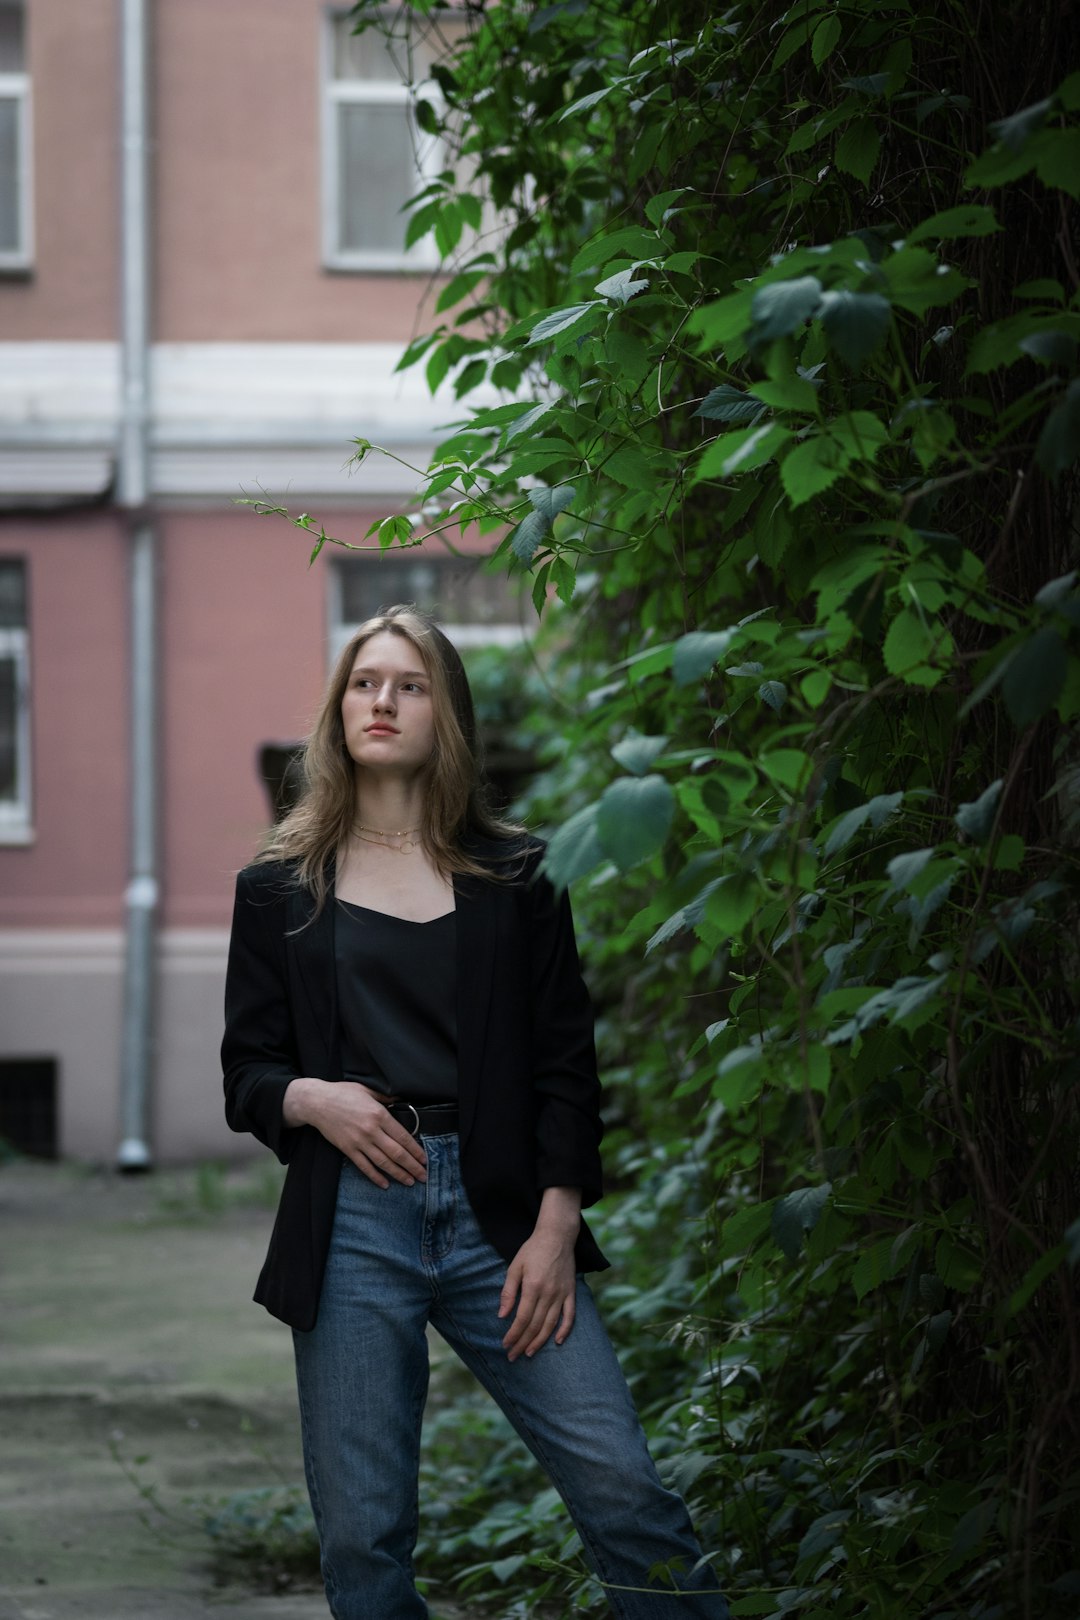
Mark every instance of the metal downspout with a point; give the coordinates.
(133, 498)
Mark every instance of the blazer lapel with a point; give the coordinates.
(312, 946)
(476, 930)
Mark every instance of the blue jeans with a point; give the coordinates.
(405, 1256)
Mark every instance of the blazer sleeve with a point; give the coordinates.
(258, 1053)
(565, 1079)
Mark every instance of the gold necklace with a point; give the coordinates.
(406, 834)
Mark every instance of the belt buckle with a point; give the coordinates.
(415, 1112)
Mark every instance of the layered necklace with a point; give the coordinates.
(378, 836)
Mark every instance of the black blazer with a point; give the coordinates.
(528, 1090)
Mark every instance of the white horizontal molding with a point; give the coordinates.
(101, 950)
(225, 418)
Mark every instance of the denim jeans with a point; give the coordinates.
(402, 1257)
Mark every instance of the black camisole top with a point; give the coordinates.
(396, 985)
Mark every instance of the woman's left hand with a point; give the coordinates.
(542, 1278)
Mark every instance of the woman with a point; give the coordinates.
(408, 1029)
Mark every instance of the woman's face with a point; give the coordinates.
(387, 710)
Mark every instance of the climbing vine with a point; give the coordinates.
(781, 303)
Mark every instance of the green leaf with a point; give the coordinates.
(561, 320)
(856, 323)
(1056, 592)
(779, 308)
(1035, 677)
(860, 433)
(726, 318)
(741, 1230)
(533, 529)
(904, 869)
(876, 1265)
(787, 390)
(503, 1568)
(826, 38)
(727, 404)
(697, 652)
(584, 103)
(955, 1264)
(858, 149)
(796, 1214)
(811, 467)
(729, 907)
(1059, 441)
(1049, 348)
(634, 818)
(976, 820)
(574, 848)
(630, 467)
(876, 811)
(1037, 1274)
(621, 287)
(828, 1528)
(1014, 130)
(917, 282)
(973, 1527)
(972, 219)
(636, 753)
(909, 645)
(741, 451)
(1059, 164)
(526, 421)
(631, 242)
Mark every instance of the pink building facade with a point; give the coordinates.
(281, 298)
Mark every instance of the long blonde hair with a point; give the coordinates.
(454, 800)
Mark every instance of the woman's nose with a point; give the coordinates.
(384, 697)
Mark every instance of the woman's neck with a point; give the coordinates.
(388, 806)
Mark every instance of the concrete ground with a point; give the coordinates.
(137, 1383)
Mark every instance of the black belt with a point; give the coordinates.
(426, 1119)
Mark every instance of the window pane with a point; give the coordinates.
(12, 57)
(9, 174)
(377, 174)
(458, 590)
(12, 594)
(9, 720)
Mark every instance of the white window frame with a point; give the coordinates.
(463, 636)
(16, 826)
(422, 255)
(16, 87)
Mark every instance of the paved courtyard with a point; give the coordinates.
(137, 1383)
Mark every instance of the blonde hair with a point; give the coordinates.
(454, 799)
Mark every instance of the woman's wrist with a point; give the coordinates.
(300, 1100)
(560, 1211)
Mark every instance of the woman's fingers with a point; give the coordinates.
(537, 1317)
(358, 1123)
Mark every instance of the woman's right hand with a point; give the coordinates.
(357, 1122)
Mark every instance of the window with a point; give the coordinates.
(475, 605)
(28, 1105)
(14, 704)
(15, 246)
(374, 157)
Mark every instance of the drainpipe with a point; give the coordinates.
(133, 498)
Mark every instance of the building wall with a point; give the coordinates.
(72, 291)
(238, 181)
(264, 364)
(243, 647)
(243, 661)
(74, 872)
